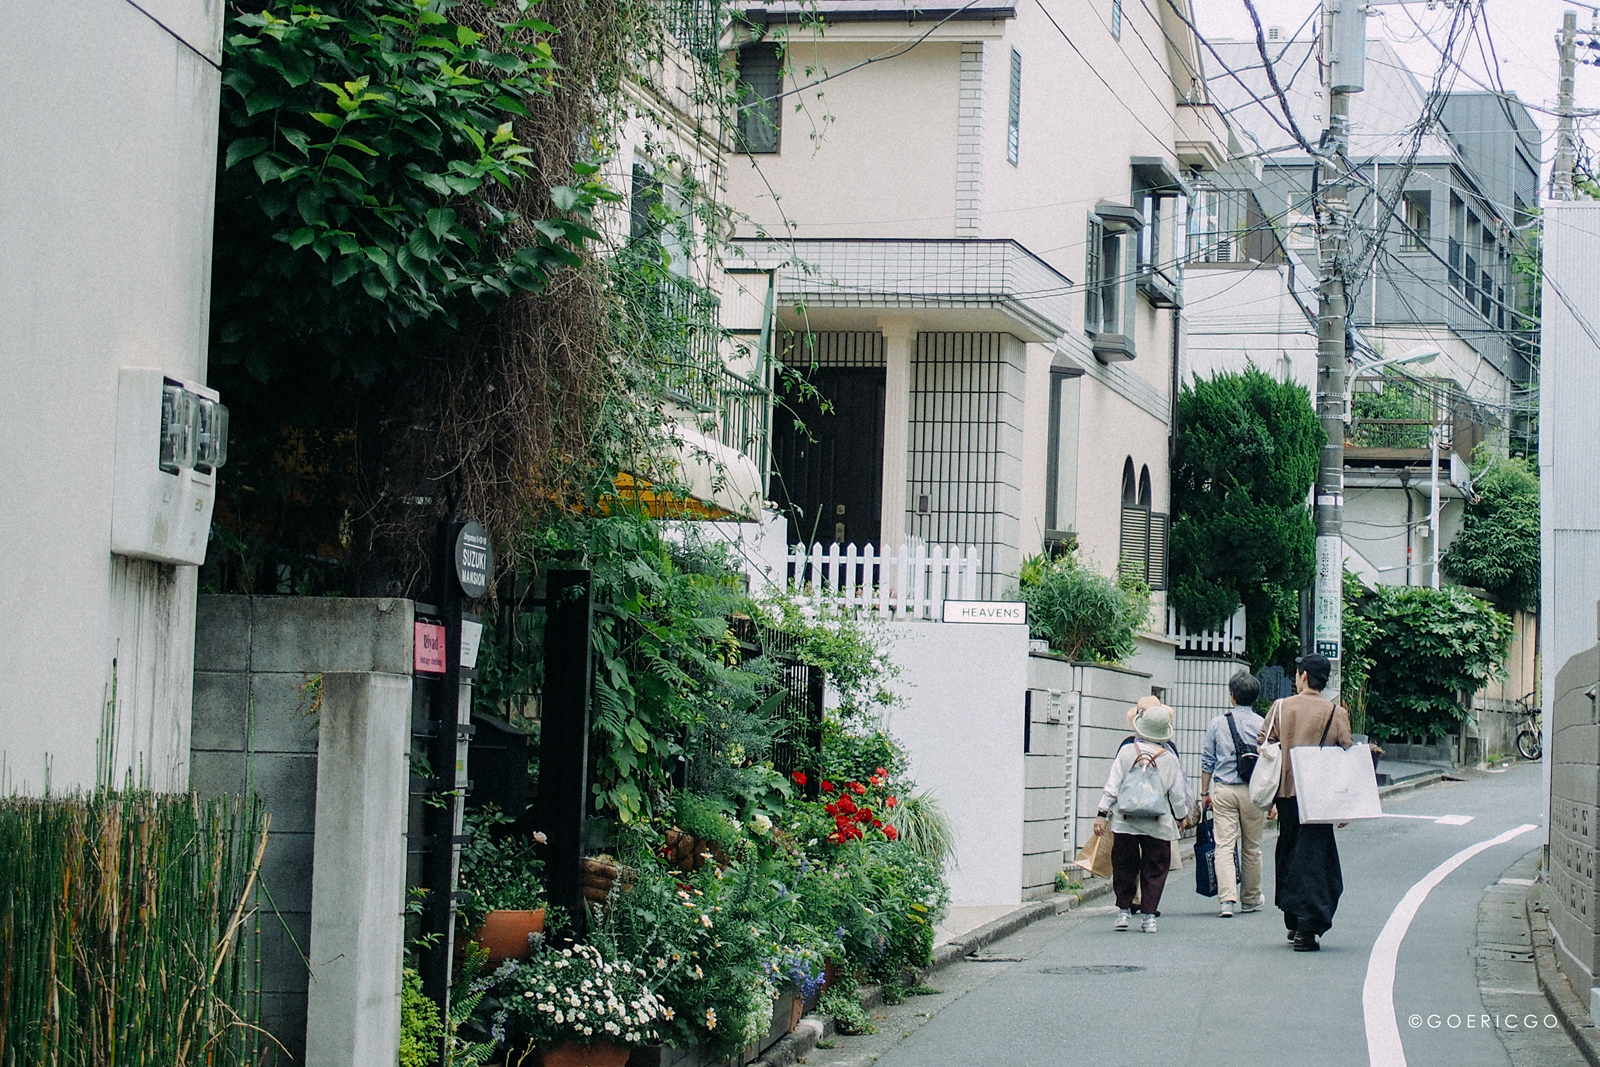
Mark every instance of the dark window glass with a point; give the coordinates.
(1014, 123)
(760, 109)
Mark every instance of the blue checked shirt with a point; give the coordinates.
(1217, 754)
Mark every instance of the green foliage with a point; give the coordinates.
(1083, 614)
(848, 1014)
(1247, 450)
(925, 828)
(365, 148)
(121, 921)
(706, 819)
(577, 993)
(1426, 648)
(1401, 398)
(421, 1029)
(1358, 632)
(1497, 549)
(498, 872)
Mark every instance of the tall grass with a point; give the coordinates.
(121, 921)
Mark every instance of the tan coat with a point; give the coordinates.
(1300, 721)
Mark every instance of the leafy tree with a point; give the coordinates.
(1083, 614)
(1247, 449)
(1412, 652)
(1497, 549)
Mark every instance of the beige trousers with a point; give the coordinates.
(1237, 820)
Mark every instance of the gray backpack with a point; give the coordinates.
(1142, 794)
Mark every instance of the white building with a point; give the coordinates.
(110, 133)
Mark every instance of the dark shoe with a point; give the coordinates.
(1305, 942)
(1291, 935)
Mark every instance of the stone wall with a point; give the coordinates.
(307, 702)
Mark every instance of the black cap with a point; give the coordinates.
(1313, 663)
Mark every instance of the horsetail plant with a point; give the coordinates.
(122, 921)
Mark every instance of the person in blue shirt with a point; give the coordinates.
(1226, 792)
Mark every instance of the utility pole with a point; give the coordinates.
(1345, 34)
(1561, 173)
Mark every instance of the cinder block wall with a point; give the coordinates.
(1106, 694)
(1574, 820)
(1053, 711)
(258, 702)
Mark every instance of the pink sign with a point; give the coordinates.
(429, 648)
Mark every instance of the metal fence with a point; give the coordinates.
(911, 584)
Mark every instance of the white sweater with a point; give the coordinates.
(1179, 798)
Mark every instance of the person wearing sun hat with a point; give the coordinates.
(1141, 847)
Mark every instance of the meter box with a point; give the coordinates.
(172, 435)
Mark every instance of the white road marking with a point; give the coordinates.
(1377, 992)
(1516, 881)
(1440, 820)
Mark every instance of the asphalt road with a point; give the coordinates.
(1206, 990)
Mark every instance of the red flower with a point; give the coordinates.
(891, 833)
(890, 803)
(846, 804)
(827, 786)
(863, 815)
(799, 777)
(857, 788)
(831, 809)
(882, 773)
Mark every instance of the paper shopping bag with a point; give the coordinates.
(1095, 857)
(1335, 784)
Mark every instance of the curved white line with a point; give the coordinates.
(1377, 993)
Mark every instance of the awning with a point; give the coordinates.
(709, 481)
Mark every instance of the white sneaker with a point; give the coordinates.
(1248, 908)
(1147, 924)
(1225, 910)
(1124, 920)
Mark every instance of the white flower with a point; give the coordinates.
(705, 920)
(613, 1027)
(559, 1017)
(528, 994)
(587, 1030)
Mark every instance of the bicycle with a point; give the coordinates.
(1530, 729)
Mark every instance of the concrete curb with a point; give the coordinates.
(1412, 784)
(1558, 992)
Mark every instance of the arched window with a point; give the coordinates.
(1144, 487)
(1129, 493)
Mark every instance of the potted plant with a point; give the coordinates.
(577, 1007)
(501, 905)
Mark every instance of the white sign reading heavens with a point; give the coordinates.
(991, 611)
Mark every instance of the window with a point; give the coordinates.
(760, 89)
(1457, 235)
(1116, 19)
(1014, 123)
(1418, 207)
(1144, 532)
(1061, 462)
(1101, 271)
(644, 223)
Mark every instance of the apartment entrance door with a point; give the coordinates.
(829, 472)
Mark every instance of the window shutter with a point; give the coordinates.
(1135, 543)
(1156, 572)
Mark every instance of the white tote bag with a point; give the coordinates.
(1334, 784)
(1269, 767)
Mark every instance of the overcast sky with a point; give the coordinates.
(1523, 34)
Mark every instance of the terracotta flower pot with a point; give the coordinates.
(573, 1054)
(505, 933)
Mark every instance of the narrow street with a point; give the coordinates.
(1206, 990)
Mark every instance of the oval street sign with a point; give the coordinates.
(474, 560)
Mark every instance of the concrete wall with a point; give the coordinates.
(1051, 758)
(1574, 762)
(961, 723)
(307, 702)
(109, 128)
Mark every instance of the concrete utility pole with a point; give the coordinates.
(1561, 173)
(1345, 34)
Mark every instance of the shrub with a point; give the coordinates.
(1084, 615)
(1497, 549)
(1424, 649)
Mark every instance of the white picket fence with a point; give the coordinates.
(1228, 641)
(911, 584)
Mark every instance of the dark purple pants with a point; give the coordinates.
(1139, 863)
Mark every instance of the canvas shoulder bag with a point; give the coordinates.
(1264, 780)
(1244, 755)
(1142, 794)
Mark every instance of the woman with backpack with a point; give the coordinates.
(1146, 796)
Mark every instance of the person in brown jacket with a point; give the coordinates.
(1309, 880)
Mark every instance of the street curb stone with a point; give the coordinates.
(1557, 990)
